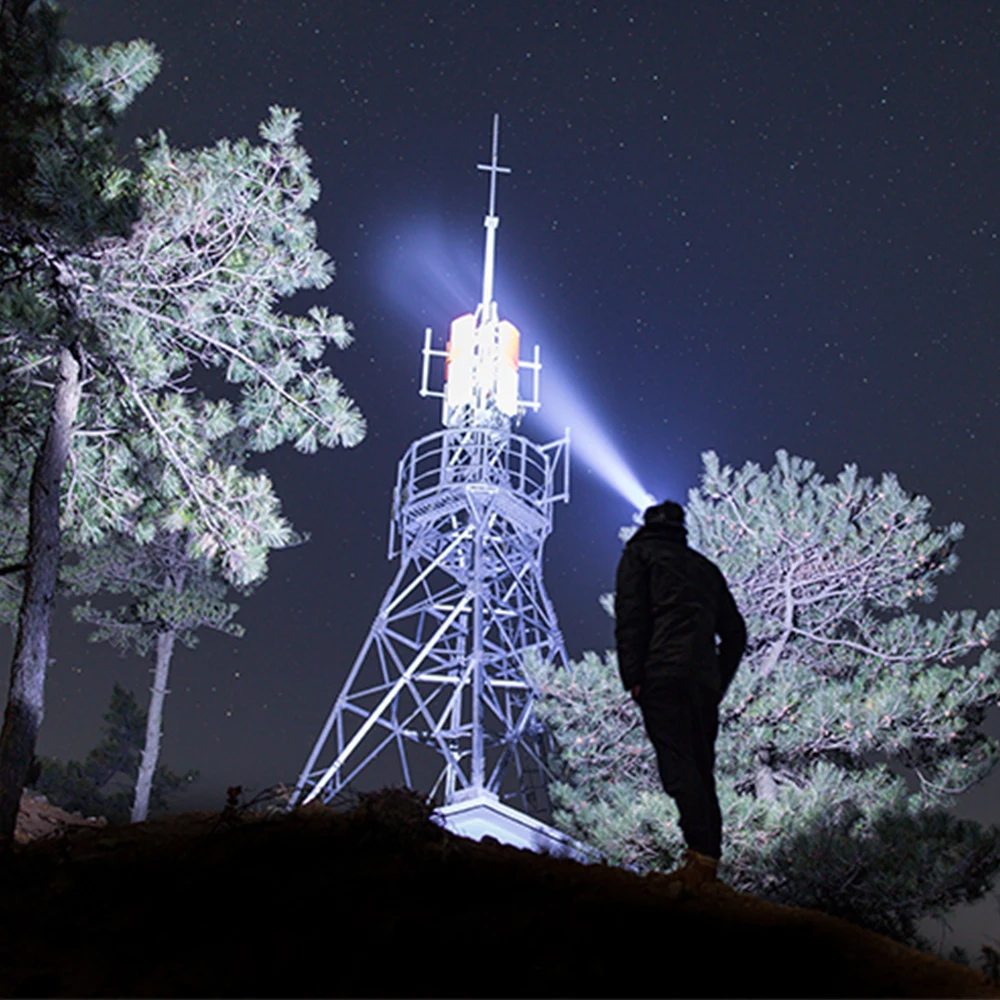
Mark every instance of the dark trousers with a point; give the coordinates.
(682, 720)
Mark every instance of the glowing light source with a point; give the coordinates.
(460, 362)
(507, 380)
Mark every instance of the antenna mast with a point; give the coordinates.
(491, 222)
(482, 358)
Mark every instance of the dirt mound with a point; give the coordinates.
(379, 901)
(37, 819)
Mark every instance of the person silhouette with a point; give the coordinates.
(670, 604)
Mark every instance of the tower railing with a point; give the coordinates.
(437, 467)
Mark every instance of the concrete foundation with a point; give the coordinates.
(481, 814)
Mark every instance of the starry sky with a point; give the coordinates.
(729, 226)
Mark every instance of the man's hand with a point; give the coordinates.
(635, 693)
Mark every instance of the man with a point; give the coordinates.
(670, 604)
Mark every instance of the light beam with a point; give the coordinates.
(562, 407)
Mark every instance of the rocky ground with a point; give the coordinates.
(38, 819)
(379, 901)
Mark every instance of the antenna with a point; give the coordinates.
(491, 222)
(482, 358)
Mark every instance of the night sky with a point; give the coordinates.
(737, 227)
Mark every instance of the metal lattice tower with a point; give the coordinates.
(441, 670)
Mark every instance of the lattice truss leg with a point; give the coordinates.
(441, 667)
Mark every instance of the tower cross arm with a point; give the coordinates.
(493, 166)
(491, 221)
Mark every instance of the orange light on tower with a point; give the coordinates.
(459, 364)
(506, 370)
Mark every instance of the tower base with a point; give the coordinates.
(482, 814)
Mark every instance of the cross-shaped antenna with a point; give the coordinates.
(491, 222)
(492, 167)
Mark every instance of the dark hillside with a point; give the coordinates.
(381, 902)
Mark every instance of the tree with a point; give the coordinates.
(173, 594)
(60, 192)
(844, 690)
(113, 323)
(93, 786)
(17, 451)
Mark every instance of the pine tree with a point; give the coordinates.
(18, 447)
(172, 595)
(114, 288)
(842, 678)
(93, 786)
(60, 193)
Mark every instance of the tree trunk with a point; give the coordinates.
(26, 698)
(154, 726)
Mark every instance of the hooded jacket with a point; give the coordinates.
(670, 604)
